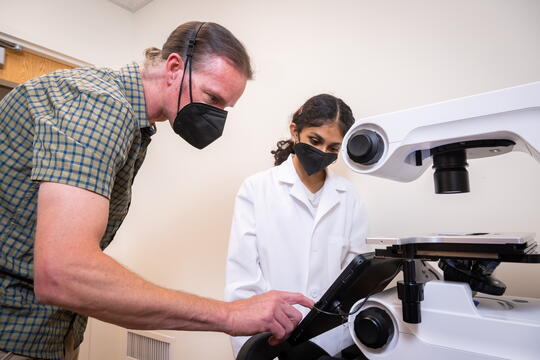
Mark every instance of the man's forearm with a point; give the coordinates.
(102, 288)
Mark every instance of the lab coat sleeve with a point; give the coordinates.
(244, 277)
(358, 232)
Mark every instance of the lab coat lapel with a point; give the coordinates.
(330, 197)
(287, 174)
(298, 192)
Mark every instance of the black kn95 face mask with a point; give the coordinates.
(312, 159)
(198, 123)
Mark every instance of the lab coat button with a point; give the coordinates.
(314, 293)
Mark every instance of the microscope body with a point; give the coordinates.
(401, 146)
(455, 325)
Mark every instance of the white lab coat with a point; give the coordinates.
(277, 244)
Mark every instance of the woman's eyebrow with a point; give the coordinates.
(314, 134)
(320, 138)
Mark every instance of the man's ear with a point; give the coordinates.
(174, 68)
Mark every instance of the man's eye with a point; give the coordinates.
(211, 99)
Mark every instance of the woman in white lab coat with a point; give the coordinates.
(296, 226)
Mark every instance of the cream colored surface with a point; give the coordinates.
(98, 31)
(379, 56)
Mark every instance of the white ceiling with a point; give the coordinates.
(131, 5)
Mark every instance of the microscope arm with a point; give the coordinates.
(398, 145)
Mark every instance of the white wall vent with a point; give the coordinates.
(148, 345)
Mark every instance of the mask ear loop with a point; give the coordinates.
(189, 55)
(181, 85)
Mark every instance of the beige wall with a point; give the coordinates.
(95, 31)
(379, 56)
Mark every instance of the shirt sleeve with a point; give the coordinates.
(244, 277)
(82, 142)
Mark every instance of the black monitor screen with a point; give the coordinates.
(364, 276)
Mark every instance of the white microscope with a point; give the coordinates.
(449, 323)
(463, 316)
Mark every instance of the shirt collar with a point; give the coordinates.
(287, 173)
(130, 78)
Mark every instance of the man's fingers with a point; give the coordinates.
(273, 341)
(272, 311)
(297, 298)
(292, 313)
(287, 317)
(278, 332)
(282, 317)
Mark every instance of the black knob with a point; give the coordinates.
(374, 327)
(365, 147)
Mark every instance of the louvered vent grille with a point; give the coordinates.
(147, 347)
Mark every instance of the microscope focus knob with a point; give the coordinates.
(374, 327)
(365, 147)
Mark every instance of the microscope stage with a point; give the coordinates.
(456, 238)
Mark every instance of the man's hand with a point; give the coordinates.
(269, 312)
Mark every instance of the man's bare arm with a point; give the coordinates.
(73, 273)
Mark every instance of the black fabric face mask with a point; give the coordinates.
(198, 123)
(312, 159)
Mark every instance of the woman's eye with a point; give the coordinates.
(314, 141)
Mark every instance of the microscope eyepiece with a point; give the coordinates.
(365, 147)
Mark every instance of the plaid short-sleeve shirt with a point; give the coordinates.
(85, 127)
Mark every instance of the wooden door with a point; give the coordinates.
(21, 66)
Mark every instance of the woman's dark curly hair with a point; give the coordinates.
(317, 111)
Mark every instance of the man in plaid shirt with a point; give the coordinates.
(71, 143)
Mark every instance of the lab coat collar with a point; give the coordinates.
(332, 187)
(286, 173)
